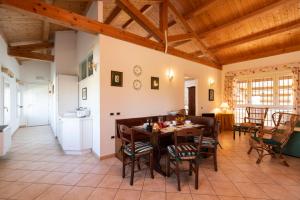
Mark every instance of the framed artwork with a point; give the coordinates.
(116, 79)
(83, 70)
(90, 64)
(84, 93)
(211, 95)
(155, 83)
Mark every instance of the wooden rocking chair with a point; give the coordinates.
(272, 141)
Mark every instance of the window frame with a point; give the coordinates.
(276, 102)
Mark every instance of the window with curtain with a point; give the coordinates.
(274, 91)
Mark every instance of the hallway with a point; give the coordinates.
(36, 168)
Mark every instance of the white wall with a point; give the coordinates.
(35, 72)
(261, 62)
(65, 52)
(12, 64)
(122, 56)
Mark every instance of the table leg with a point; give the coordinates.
(233, 133)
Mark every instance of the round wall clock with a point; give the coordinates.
(137, 84)
(137, 70)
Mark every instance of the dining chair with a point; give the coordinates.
(210, 142)
(134, 150)
(272, 141)
(184, 151)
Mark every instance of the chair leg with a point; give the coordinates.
(196, 174)
(249, 151)
(168, 166)
(132, 171)
(138, 164)
(190, 168)
(124, 164)
(215, 159)
(283, 160)
(260, 156)
(178, 176)
(151, 164)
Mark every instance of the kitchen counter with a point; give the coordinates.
(5, 139)
(2, 127)
(75, 134)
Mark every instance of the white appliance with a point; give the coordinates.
(76, 134)
(5, 139)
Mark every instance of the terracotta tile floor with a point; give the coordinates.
(36, 168)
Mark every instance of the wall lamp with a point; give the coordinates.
(170, 74)
(211, 82)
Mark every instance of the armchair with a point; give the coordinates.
(272, 141)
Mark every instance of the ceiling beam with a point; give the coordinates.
(114, 13)
(200, 9)
(266, 53)
(179, 43)
(87, 8)
(249, 16)
(180, 37)
(141, 19)
(31, 55)
(74, 21)
(163, 16)
(33, 47)
(259, 35)
(198, 53)
(201, 46)
(170, 24)
(144, 10)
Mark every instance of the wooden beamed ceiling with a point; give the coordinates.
(211, 32)
(78, 22)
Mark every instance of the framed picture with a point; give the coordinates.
(83, 70)
(211, 95)
(155, 83)
(116, 79)
(90, 64)
(84, 93)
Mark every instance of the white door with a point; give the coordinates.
(36, 101)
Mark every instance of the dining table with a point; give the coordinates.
(156, 136)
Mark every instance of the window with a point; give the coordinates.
(264, 90)
(285, 90)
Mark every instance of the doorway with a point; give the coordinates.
(7, 102)
(190, 96)
(36, 102)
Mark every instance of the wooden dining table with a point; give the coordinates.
(157, 136)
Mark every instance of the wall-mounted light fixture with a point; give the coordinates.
(170, 74)
(211, 82)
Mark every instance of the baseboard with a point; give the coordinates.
(107, 156)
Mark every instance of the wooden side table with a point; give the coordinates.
(226, 121)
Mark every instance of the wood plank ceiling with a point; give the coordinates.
(220, 31)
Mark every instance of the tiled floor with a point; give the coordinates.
(36, 168)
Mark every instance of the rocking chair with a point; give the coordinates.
(272, 141)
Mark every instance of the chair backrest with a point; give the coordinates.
(212, 129)
(284, 126)
(126, 135)
(208, 115)
(256, 115)
(187, 134)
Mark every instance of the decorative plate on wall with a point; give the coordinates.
(137, 84)
(137, 70)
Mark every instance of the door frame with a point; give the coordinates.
(196, 92)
